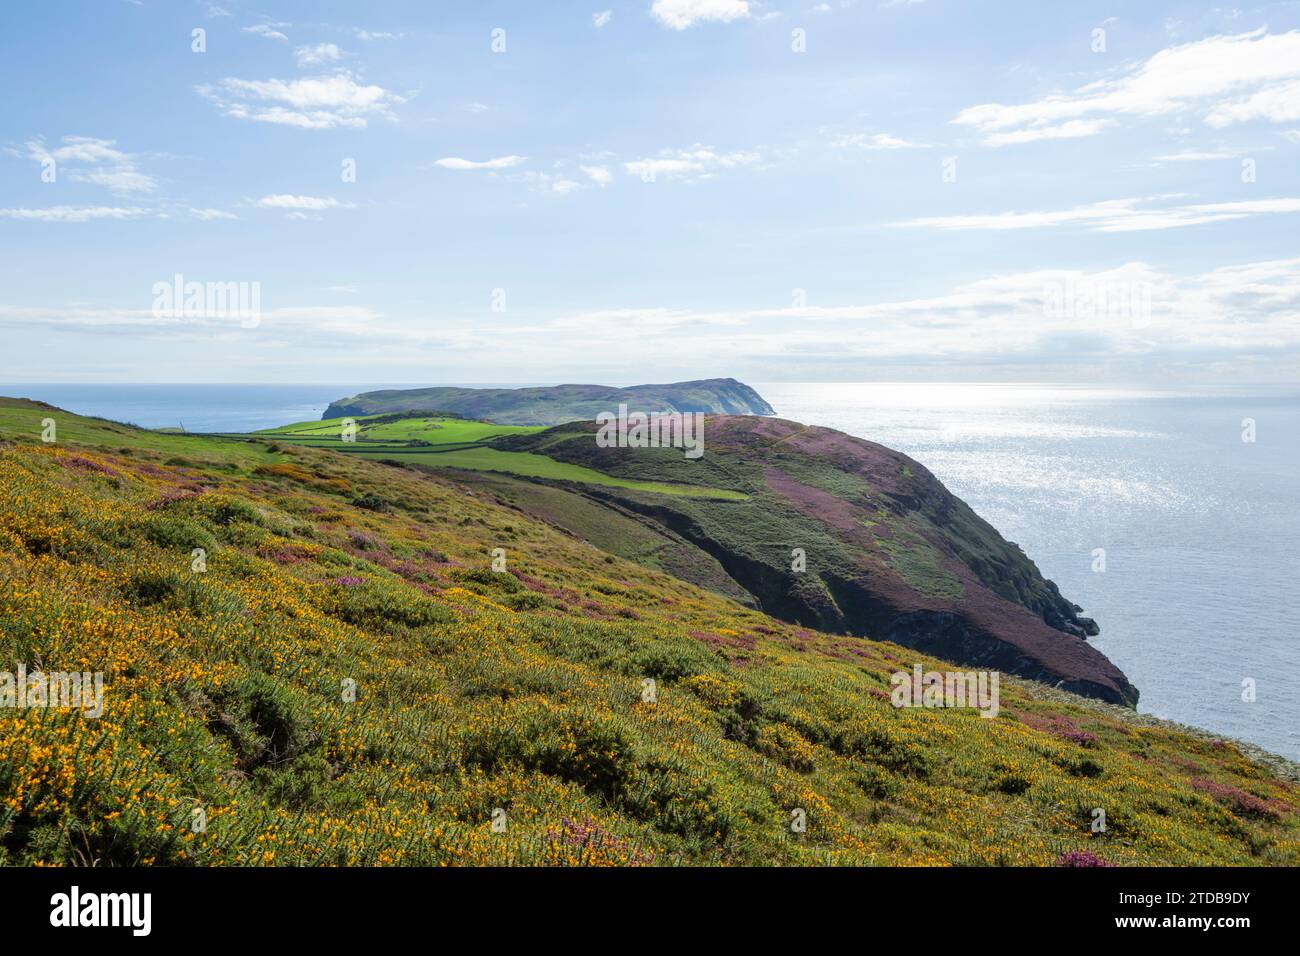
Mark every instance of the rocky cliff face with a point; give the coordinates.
(560, 403)
(886, 550)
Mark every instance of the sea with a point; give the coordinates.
(1171, 516)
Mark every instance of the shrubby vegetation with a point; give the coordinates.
(520, 690)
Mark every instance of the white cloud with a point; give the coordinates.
(119, 179)
(1279, 103)
(81, 149)
(215, 11)
(340, 320)
(696, 163)
(1194, 156)
(74, 213)
(208, 215)
(320, 102)
(1113, 215)
(1247, 314)
(648, 319)
(1047, 315)
(317, 55)
(500, 162)
(267, 30)
(877, 142)
(556, 182)
(600, 175)
(301, 203)
(680, 14)
(1227, 79)
(86, 159)
(1071, 129)
(599, 20)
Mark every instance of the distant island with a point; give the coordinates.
(557, 404)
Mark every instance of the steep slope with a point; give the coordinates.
(518, 692)
(890, 553)
(560, 403)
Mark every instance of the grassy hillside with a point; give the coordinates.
(519, 689)
(441, 442)
(890, 552)
(552, 405)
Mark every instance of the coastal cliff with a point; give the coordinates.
(885, 550)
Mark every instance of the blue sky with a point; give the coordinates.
(653, 190)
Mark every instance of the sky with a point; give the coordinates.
(656, 190)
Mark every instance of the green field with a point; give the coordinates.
(380, 428)
(459, 443)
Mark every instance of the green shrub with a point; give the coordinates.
(672, 662)
(527, 601)
(174, 591)
(590, 751)
(372, 604)
(175, 532)
(262, 721)
(225, 511)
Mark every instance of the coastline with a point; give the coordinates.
(1283, 767)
